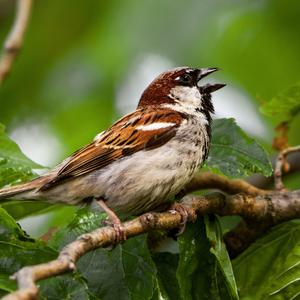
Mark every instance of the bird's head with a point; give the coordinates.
(180, 87)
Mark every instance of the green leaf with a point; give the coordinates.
(166, 264)
(85, 220)
(14, 165)
(270, 268)
(17, 250)
(218, 249)
(68, 286)
(126, 272)
(6, 284)
(25, 208)
(234, 153)
(204, 269)
(285, 106)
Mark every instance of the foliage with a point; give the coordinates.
(129, 271)
(234, 153)
(204, 269)
(69, 81)
(17, 250)
(15, 167)
(126, 272)
(285, 106)
(201, 269)
(270, 269)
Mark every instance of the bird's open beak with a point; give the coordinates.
(208, 88)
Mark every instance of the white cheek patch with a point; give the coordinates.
(155, 126)
(186, 95)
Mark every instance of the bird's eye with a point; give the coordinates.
(186, 78)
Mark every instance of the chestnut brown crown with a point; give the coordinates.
(158, 91)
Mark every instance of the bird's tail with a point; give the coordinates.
(19, 191)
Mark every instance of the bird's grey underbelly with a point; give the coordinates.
(146, 179)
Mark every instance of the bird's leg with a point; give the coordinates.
(115, 221)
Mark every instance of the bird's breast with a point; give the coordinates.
(148, 178)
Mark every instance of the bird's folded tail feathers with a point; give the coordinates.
(13, 191)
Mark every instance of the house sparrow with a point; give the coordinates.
(141, 161)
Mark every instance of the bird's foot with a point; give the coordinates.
(120, 235)
(148, 220)
(185, 214)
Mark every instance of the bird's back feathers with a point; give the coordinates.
(144, 129)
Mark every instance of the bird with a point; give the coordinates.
(144, 159)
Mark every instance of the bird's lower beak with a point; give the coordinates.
(209, 88)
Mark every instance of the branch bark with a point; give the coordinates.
(282, 165)
(208, 180)
(270, 209)
(14, 41)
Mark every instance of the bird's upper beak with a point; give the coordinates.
(208, 88)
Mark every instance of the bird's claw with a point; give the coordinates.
(183, 211)
(120, 235)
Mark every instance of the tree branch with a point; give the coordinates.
(271, 209)
(282, 165)
(15, 38)
(208, 180)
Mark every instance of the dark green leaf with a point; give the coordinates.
(139, 269)
(166, 264)
(68, 286)
(203, 271)
(285, 106)
(126, 272)
(218, 249)
(84, 221)
(234, 153)
(270, 268)
(18, 250)
(14, 165)
(195, 272)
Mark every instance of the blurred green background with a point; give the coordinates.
(84, 63)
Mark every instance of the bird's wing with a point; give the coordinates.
(143, 129)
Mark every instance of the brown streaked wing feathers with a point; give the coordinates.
(121, 140)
